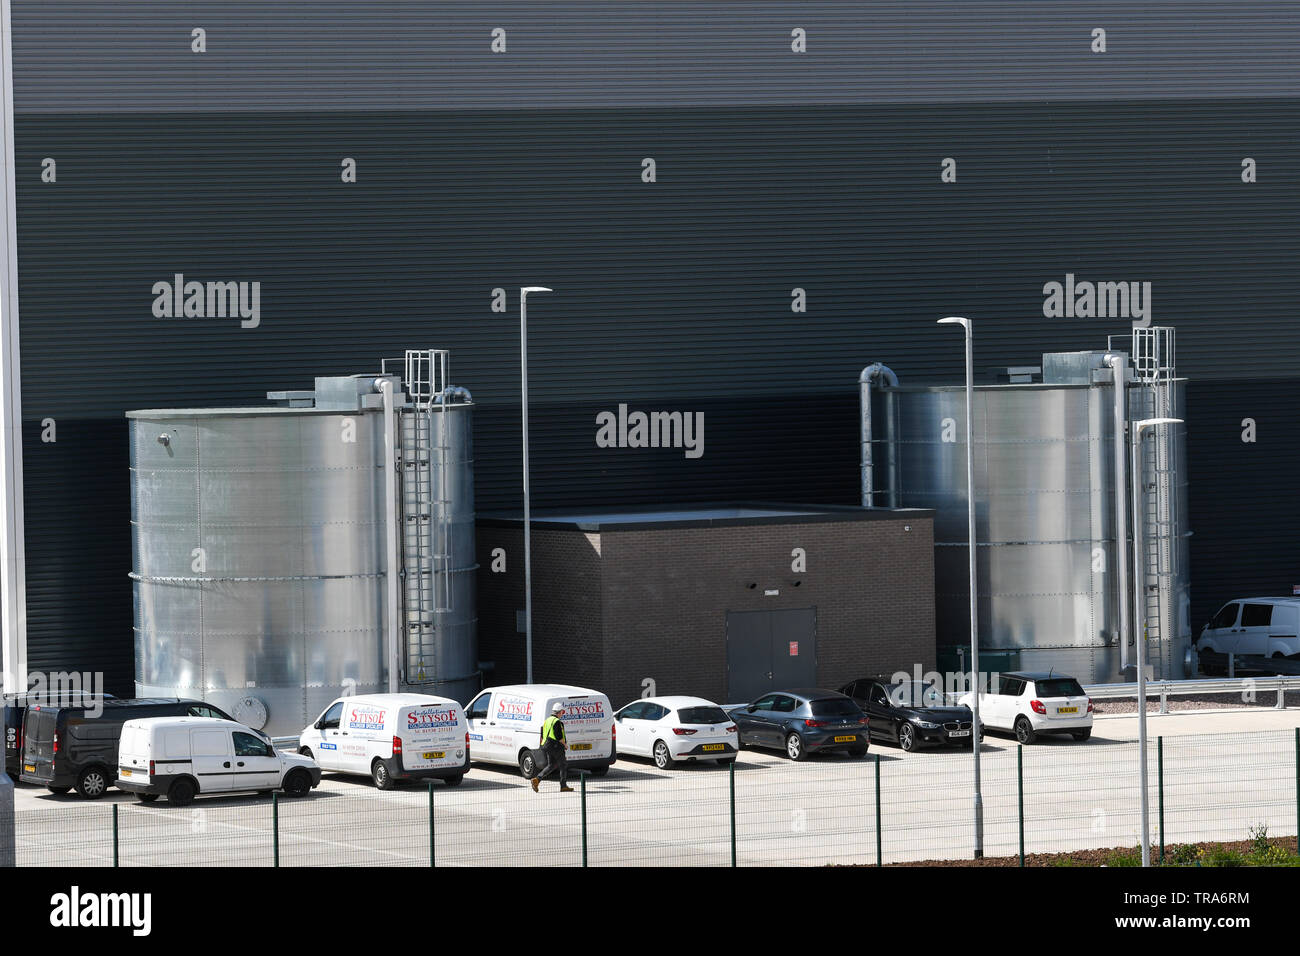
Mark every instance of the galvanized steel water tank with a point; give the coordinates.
(1045, 520)
(259, 560)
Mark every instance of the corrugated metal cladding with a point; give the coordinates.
(776, 171)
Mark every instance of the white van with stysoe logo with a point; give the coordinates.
(391, 737)
(505, 725)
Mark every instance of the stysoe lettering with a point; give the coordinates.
(208, 300)
(429, 718)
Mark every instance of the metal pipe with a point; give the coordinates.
(13, 574)
(974, 589)
(528, 524)
(391, 562)
(870, 374)
(1119, 366)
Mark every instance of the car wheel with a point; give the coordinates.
(93, 782)
(454, 781)
(663, 757)
(857, 751)
(527, 764)
(906, 737)
(1025, 731)
(379, 773)
(1082, 735)
(146, 797)
(298, 783)
(60, 791)
(599, 771)
(181, 792)
(794, 748)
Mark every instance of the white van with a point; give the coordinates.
(505, 725)
(183, 756)
(1259, 627)
(391, 737)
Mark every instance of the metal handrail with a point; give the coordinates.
(1216, 685)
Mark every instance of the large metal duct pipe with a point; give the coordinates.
(391, 561)
(1119, 367)
(871, 374)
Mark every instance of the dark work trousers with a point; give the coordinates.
(557, 761)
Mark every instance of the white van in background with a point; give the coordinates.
(505, 725)
(391, 737)
(180, 757)
(1258, 627)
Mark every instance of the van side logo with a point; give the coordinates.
(366, 718)
(76, 909)
(1101, 300)
(513, 708)
(208, 300)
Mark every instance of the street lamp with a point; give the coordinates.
(1140, 622)
(528, 540)
(974, 618)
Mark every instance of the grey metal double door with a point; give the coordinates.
(770, 650)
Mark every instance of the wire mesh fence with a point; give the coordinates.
(890, 807)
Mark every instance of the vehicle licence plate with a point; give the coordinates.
(846, 740)
(580, 747)
(959, 733)
(1067, 710)
(713, 747)
(29, 768)
(434, 754)
(126, 773)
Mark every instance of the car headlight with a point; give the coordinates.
(927, 725)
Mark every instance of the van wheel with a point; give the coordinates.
(93, 782)
(1025, 731)
(297, 784)
(1208, 668)
(146, 797)
(383, 779)
(454, 781)
(306, 752)
(663, 757)
(528, 764)
(181, 793)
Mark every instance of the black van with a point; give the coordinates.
(14, 709)
(66, 747)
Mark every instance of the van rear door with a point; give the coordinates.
(433, 736)
(39, 730)
(587, 719)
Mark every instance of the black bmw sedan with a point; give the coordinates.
(910, 713)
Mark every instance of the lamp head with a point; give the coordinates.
(955, 320)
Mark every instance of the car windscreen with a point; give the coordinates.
(702, 715)
(834, 707)
(1058, 687)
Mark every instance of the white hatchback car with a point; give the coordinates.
(668, 729)
(1033, 704)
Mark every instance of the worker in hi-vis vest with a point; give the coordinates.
(555, 746)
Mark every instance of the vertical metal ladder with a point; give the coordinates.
(426, 533)
(1157, 397)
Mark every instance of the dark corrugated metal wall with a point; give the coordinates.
(673, 295)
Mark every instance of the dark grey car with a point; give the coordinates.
(802, 722)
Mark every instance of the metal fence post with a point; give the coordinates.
(8, 822)
(430, 826)
(1020, 790)
(1281, 693)
(879, 845)
(275, 826)
(584, 819)
(1297, 789)
(732, 780)
(115, 856)
(1160, 789)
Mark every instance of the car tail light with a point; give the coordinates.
(729, 729)
(397, 746)
(151, 768)
(683, 731)
(864, 720)
(1038, 706)
(814, 723)
(1090, 706)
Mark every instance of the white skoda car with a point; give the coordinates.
(1031, 704)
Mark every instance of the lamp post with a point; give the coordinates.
(528, 540)
(974, 617)
(1140, 621)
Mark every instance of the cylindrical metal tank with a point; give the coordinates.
(259, 539)
(1045, 522)
(258, 542)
